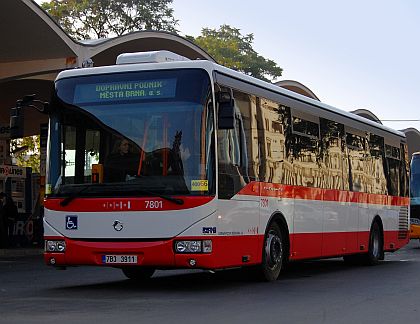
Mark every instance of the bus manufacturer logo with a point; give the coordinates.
(71, 222)
(209, 230)
(118, 226)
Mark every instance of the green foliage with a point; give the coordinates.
(26, 151)
(86, 19)
(234, 50)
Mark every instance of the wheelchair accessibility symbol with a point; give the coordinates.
(71, 222)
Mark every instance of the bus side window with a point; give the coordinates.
(332, 154)
(404, 171)
(247, 128)
(358, 156)
(377, 164)
(274, 137)
(392, 155)
(305, 151)
(233, 156)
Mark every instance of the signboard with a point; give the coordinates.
(12, 171)
(125, 90)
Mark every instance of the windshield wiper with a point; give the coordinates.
(73, 196)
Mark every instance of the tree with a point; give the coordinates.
(86, 19)
(232, 49)
(26, 151)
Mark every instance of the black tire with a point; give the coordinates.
(376, 245)
(138, 273)
(272, 254)
(375, 251)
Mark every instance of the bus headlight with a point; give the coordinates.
(55, 246)
(196, 246)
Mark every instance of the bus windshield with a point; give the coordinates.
(134, 133)
(415, 180)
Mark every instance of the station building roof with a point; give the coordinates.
(35, 48)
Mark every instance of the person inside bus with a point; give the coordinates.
(122, 163)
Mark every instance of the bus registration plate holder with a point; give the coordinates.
(119, 259)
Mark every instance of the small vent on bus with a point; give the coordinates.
(149, 57)
(403, 223)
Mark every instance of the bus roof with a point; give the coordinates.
(211, 67)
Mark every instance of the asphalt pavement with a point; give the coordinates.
(21, 251)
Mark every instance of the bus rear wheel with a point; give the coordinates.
(376, 245)
(273, 253)
(375, 252)
(138, 273)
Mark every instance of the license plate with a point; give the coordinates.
(121, 259)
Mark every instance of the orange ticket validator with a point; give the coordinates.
(97, 173)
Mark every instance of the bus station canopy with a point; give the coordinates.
(35, 49)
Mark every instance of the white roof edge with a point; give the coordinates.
(190, 64)
(210, 67)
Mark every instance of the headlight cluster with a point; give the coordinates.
(55, 246)
(414, 221)
(197, 246)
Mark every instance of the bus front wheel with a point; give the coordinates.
(138, 273)
(273, 253)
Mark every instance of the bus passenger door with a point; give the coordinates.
(307, 223)
(335, 184)
(237, 190)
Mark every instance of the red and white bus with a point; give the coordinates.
(160, 162)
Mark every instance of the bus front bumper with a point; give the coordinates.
(157, 254)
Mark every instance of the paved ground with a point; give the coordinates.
(325, 291)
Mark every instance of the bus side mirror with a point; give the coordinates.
(226, 115)
(17, 113)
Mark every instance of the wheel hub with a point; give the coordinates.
(273, 250)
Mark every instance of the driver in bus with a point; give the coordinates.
(121, 165)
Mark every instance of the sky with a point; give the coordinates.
(351, 54)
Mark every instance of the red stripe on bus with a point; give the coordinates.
(331, 244)
(125, 204)
(306, 193)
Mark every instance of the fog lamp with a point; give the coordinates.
(207, 246)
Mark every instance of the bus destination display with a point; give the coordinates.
(127, 90)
